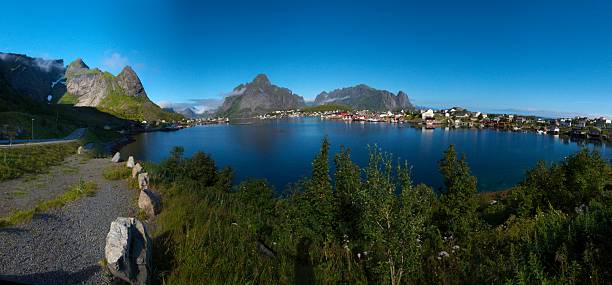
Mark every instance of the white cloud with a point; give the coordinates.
(114, 61)
(198, 105)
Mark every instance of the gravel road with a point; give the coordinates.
(64, 246)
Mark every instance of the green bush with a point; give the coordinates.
(372, 225)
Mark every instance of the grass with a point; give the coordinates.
(79, 190)
(68, 99)
(28, 160)
(69, 169)
(18, 193)
(117, 172)
(134, 108)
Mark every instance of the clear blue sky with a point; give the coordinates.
(488, 55)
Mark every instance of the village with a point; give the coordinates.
(456, 117)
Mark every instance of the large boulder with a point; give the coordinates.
(149, 202)
(116, 157)
(130, 162)
(143, 180)
(136, 169)
(128, 251)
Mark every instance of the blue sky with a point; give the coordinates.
(538, 56)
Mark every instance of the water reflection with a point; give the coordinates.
(282, 150)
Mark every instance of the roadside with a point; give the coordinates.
(74, 136)
(65, 245)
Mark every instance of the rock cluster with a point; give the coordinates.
(116, 158)
(136, 170)
(128, 251)
(149, 202)
(143, 180)
(128, 246)
(130, 162)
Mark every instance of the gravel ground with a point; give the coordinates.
(26, 192)
(64, 246)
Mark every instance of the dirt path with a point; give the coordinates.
(63, 246)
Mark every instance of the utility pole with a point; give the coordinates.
(32, 129)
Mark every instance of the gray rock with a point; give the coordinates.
(136, 169)
(130, 162)
(143, 180)
(130, 83)
(116, 157)
(149, 202)
(128, 251)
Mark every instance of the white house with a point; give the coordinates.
(427, 114)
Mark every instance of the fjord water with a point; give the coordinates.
(281, 151)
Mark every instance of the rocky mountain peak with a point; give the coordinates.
(261, 80)
(76, 67)
(128, 71)
(78, 63)
(129, 81)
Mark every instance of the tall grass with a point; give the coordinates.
(117, 172)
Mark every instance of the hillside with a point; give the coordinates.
(258, 97)
(123, 95)
(365, 97)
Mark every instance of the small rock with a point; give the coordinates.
(116, 157)
(265, 250)
(80, 150)
(136, 169)
(130, 162)
(149, 202)
(143, 180)
(128, 251)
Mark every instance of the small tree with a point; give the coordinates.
(459, 204)
(316, 205)
(348, 183)
(393, 223)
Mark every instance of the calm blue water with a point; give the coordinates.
(281, 150)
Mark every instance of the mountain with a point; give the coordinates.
(30, 83)
(35, 78)
(188, 112)
(123, 95)
(365, 97)
(258, 97)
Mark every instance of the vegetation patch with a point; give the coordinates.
(327, 108)
(68, 99)
(372, 225)
(81, 189)
(18, 161)
(117, 172)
